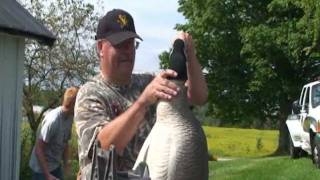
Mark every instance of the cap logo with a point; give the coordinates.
(122, 20)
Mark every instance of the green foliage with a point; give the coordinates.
(43, 97)
(264, 168)
(259, 144)
(71, 60)
(216, 29)
(201, 113)
(73, 143)
(236, 142)
(26, 149)
(164, 60)
(257, 54)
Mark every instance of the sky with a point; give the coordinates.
(154, 22)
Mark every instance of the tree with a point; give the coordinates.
(164, 59)
(215, 27)
(72, 59)
(287, 59)
(258, 54)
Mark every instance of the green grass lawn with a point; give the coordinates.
(273, 168)
(235, 142)
(247, 146)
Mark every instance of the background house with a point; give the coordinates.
(16, 24)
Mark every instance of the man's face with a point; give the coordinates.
(117, 61)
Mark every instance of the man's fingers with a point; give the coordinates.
(169, 84)
(165, 91)
(162, 95)
(161, 88)
(168, 73)
(168, 91)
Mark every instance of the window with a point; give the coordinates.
(302, 96)
(306, 99)
(315, 99)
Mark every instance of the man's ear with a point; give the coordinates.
(99, 48)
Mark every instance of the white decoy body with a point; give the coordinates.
(176, 148)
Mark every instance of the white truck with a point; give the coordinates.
(304, 123)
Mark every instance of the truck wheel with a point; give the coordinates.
(316, 153)
(293, 151)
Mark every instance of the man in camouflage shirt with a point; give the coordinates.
(117, 107)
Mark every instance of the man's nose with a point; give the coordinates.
(127, 47)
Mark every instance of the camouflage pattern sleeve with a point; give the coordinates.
(99, 102)
(91, 114)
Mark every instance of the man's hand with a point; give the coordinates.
(66, 162)
(188, 41)
(66, 169)
(196, 83)
(51, 177)
(40, 149)
(160, 88)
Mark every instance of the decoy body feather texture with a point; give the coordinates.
(176, 148)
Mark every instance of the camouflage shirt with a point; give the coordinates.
(99, 102)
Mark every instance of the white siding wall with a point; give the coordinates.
(11, 81)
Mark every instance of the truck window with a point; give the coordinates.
(302, 96)
(315, 96)
(306, 99)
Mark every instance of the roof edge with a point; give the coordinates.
(40, 38)
(20, 22)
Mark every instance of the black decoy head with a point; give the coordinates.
(178, 59)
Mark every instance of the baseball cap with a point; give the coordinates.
(116, 26)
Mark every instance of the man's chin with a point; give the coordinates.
(125, 77)
(126, 70)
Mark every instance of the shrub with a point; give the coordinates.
(259, 144)
(26, 149)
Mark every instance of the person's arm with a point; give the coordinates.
(197, 86)
(121, 129)
(66, 154)
(66, 165)
(40, 149)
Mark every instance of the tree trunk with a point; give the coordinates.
(283, 145)
(283, 138)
